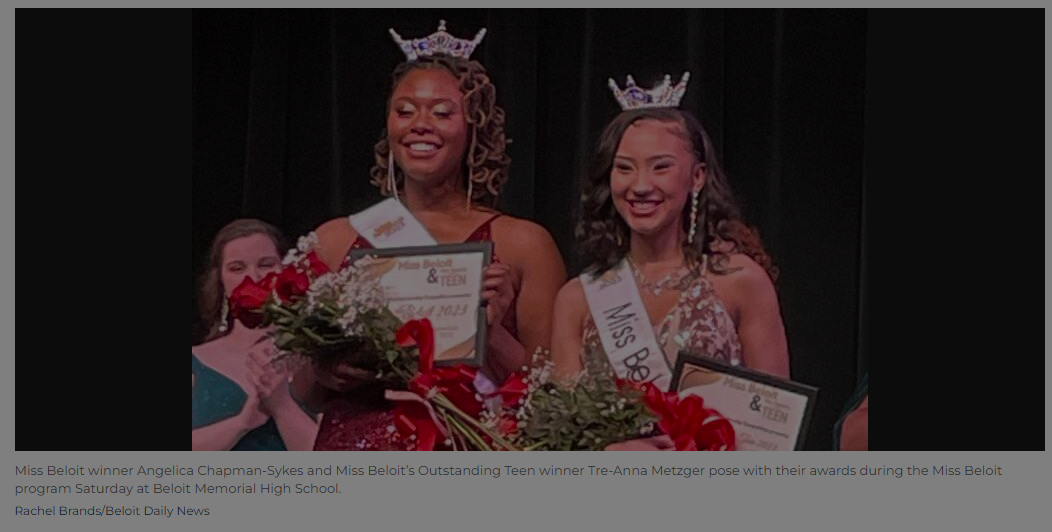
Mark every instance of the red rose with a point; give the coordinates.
(291, 284)
(247, 301)
(267, 282)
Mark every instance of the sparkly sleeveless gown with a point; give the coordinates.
(699, 323)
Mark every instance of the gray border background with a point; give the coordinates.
(1018, 500)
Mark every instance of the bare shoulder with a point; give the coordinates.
(524, 242)
(746, 274)
(571, 298)
(334, 239)
(336, 228)
(203, 348)
(521, 233)
(746, 285)
(208, 350)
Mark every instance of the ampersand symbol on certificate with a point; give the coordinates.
(432, 276)
(755, 404)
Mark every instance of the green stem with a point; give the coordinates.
(536, 446)
(442, 401)
(313, 335)
(327, 307)
(282, 310)
(452, 436)
(470, 434)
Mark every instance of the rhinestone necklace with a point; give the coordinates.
(671, 281)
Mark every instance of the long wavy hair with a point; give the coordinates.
(720, 231)
(210, 291)
(486, 161)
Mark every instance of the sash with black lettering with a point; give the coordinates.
(389, 224)
(624, 327)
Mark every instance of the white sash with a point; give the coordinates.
(624, 327)
(389, 224)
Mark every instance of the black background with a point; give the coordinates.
(288, 105)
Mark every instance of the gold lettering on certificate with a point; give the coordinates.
(408, 265)
(408, 311)
(775, 414)
(763, 391)
(733, 383)
(453, 279)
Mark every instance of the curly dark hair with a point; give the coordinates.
(210, 293)
(604, 235)
(486, 162)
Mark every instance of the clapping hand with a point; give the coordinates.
(269, 379)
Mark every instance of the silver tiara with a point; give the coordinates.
(663, 95)
(439, 42)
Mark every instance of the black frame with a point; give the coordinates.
(806, 390)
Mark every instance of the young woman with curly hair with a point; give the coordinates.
(443, 154)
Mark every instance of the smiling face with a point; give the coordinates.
(652, 176)
(426, 125)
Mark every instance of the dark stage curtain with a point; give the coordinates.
(287, 105)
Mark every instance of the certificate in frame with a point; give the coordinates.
(442, 283)
(768, 413)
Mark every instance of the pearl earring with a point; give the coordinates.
(224, 316)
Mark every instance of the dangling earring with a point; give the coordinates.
(224, 316)
(471, 183)
(391, 173)
(693, 218)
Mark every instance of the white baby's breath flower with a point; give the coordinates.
(304, 245)
(307, 242)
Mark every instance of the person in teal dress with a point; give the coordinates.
(851, 432)
(240, 401)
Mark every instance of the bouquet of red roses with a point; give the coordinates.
(331, 317)
(341, 317)
(596, 409)
(324, 316)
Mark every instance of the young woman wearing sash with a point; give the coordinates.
(672, 265)
(443, 157)
(239, 401)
